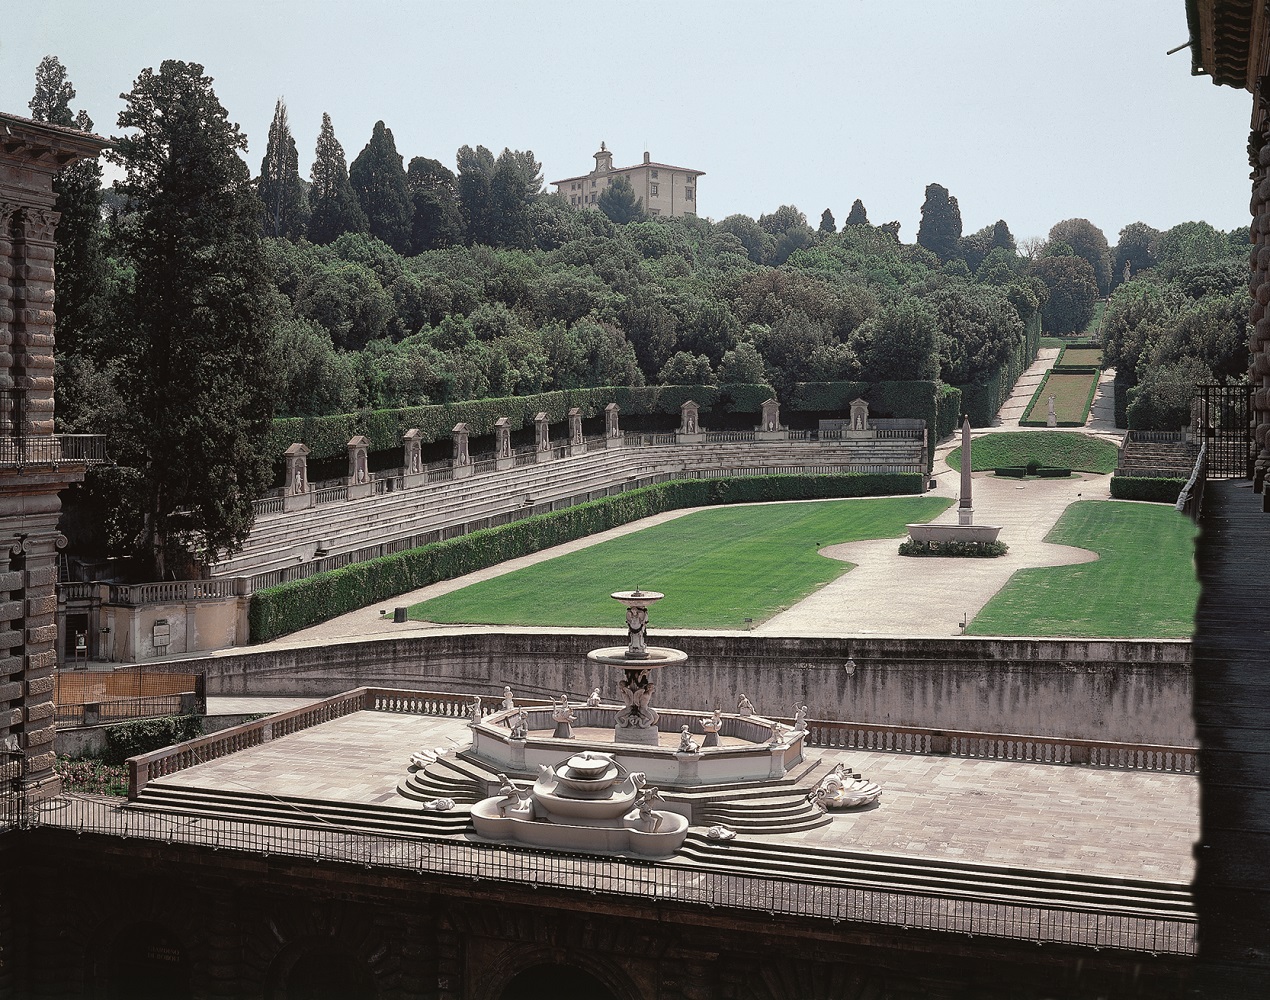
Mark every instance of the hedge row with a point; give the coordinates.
(291, 606)
(954, 549)
(982, 400)
(327, 437)
(1150, 488)
(1040, 389)
(131, 738)
(1019, 471)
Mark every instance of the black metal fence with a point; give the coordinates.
(1160, 924)
(1224, 415)
(12, 796)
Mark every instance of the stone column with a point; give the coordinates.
(612, 433)
(297, 495)
(32, 339)
(360, 480)
(577, 443)
(461, 459)
(542, 436)
(690, 431)
(1259, 341)
(769, 428)
(412, 471)
(503, 444)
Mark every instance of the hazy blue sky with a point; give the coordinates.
(1026, 110)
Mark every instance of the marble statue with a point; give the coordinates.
(686, 743)
(562, 714)
(840, 790)
(519, 725)
(636, 625)
(778, 737)
(800, 718)
(512, 797)
(720, 832)
(649, 818)
(743, 706)
(711, 727)
(475, 710)
(508, 702)
(637, 691)
(438, 805)
(594, 700)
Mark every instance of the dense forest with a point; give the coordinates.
(197, 302)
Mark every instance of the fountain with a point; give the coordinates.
(588, 802)
(965, 530)
(637, 721)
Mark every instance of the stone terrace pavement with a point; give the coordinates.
(1051, 817)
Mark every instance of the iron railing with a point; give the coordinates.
(53, 449)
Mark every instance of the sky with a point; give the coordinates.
(1027, 110)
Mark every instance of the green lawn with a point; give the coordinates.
(716, 567)
(1053, 449)
(1071, 397)
(1095, 321)
(1142, 586)
(1081, 356)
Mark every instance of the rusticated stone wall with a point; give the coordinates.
(30, 474)
(1259, 285)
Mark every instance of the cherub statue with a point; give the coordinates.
(594, 700)
(476, 708)
(714, 723)
(512, 796)
(777, 736)
(743, 706)
(560, 710)
(508, 701)
(800, 718)
(648, 817)
(686, 743)
(519, 725)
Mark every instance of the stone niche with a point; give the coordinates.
(690, 431)
(577, 442)
(462, 457)
(503, 458)
(299, 494)
(360, 480)
(412, 471)
(769, 428)
(542, 436)
(612, 432)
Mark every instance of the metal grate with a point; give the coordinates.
(1223, 421)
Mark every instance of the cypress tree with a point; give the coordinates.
(82, 300)
(286, 209)
(857, 216)
(435, 220)
(379, 180)
(827, 223)
(332, 204)
(940, 228)
(199, 384)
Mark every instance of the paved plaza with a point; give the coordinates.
(1037, 816)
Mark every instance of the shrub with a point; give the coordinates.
(1011, 471)
(1149, 488)
(91, 776)
(291, 606)
(967, 550)
(131, 738)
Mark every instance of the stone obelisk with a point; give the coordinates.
(965, 509)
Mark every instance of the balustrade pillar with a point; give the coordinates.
(412, 473)
(769, 428)
(360, 479)
(462, 459)
(577, 443)
(612, 432)
(503, 458)
(690, 431)
(298, 493)
(542, 436)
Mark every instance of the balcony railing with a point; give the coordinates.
(53, 449)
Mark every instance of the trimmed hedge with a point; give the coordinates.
(291, 606)
(961, 550)
(982, 400)
(131, 738)
(936, 403)
(327, 437)
(1152, 489)
(1019, 471)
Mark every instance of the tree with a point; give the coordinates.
(742, 364)
(1002, 238)
(686, 369)
(978, 328)
(199, 385)
(1073, 290)
(286, 207)
(758, 244)
(1188, 244)
(435, 222)
(1087, 242)
(827, 224)
(901, 342)
(475, 176)
(379, 180)
(1133, 252)
(940, 228)
(82, 272)
(857, 216)
(619, 203)
(332, 203)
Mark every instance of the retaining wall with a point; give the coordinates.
(1130, 691)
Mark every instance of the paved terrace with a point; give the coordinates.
(1119, 823)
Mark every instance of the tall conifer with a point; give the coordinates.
(286, 209)
(379, 180)
(332, 203)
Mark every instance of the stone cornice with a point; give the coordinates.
(49, 146)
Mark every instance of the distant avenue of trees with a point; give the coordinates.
(390, 283)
